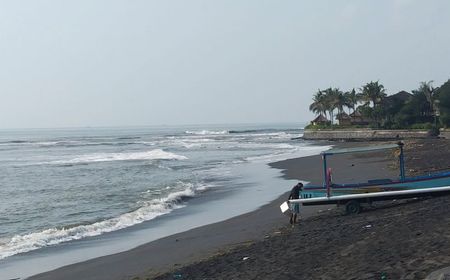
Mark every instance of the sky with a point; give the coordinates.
(142, 62)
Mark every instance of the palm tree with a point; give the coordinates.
(352, 100)
(373, 92)
(318, 105)
(330, 101)
(426, 88)
(327, 101)
(341, 100)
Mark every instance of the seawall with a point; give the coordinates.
(445, 133)
(364, 134)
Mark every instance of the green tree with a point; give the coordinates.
(374, 92)
(332, 101)
(318, 106)
(443, 95)
(426, 88)
(392, 106)
(352, 100)
(414, 111)
(340, 100)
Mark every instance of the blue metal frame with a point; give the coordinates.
(324, 160)
(402, 162)
(403, 182)
(343, 151)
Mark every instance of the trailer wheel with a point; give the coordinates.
(352, 207)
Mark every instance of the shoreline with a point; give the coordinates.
(185, 247)
(191, 249)
(243, 227)
(190, 246)
(404, 239)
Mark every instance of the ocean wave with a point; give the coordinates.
(148, 210)
(265, 131)
(207, 132)
(128, 137)
(282, 154)
(190, 143)
(76, 143)
(157, 154)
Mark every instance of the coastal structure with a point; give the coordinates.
(344, 119)
(365, 134)
(320, 120)
(444, 133)
(357, 118)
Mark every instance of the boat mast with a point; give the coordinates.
(325, 179)
(402, 162)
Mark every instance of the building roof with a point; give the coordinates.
(320, 118)
(401, 95)
(342, 116)
(356, 113)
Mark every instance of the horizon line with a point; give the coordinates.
(150, 125)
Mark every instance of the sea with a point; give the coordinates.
(68, 195)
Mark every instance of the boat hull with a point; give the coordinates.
(429, 181)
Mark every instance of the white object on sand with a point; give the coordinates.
(285, 208)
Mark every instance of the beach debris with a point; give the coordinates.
(177, 276)
(367, 226)
(245, 258)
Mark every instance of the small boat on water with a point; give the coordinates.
(353, 193)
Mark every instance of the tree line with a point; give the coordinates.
(424, 107)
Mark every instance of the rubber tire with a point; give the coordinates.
(352, 207)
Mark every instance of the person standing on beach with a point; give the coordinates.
(295, 207)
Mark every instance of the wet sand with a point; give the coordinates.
(397, 240)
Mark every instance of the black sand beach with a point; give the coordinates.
(396, 240)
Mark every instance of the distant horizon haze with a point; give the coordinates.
(143, 63)
(271, 125)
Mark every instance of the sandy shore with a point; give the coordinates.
(398, 241)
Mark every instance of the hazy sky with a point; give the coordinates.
(114, 63)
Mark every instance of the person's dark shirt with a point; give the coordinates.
(295, 192)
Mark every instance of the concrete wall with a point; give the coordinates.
(364, 134)
(445, 133)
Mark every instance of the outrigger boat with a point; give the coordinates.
(352, 194)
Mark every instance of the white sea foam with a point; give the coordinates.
(102, 157)
(207, 132)
(302, 151)
(148, 210)
(193, 143)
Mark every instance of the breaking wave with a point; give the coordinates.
(157, 154)
(265, 131)
(280, 155)
(148, 210)
(207, 132)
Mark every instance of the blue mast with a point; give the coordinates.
(325, 179)
(402, 161)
